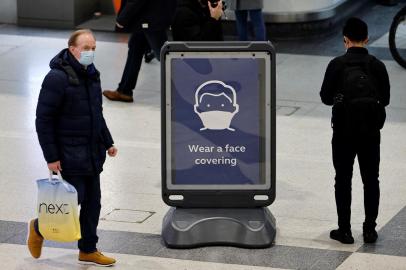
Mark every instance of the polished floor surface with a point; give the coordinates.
(132, 208)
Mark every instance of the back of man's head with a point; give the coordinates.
(355, 29)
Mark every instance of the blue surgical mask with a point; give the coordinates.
(86, 57)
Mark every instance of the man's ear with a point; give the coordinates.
(366, 41)
(71, 48)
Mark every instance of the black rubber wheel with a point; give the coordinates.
(395, 49)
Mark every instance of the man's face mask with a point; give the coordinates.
(86, 57)
(216, 111)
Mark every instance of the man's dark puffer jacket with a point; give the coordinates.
(70, 124)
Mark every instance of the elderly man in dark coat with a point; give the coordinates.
(74, 137)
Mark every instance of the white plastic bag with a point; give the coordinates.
(57, 207)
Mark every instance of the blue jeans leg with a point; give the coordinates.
(258, 24)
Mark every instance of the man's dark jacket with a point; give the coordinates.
(333, 79)
(193, 22)
(70, 123)
(135, 15)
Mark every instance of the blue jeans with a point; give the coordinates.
(137, 46)
(257, 22)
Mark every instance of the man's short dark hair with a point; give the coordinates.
(355, 29)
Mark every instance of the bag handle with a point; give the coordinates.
(67, 186)
(51, 174)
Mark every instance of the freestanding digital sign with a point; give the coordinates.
(218, 124)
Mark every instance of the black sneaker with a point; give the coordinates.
(370, 236)
(149, 56)
(341, 236)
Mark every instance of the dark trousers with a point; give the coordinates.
(89, 195)
(367, 149)
(137, 46)
(257, 22)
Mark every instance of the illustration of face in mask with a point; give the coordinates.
(216, 105)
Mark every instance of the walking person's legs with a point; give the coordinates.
(89, 212)
(89, 196)
(156, 40)
(241, 17)
(257, 21)
(149, 54)
(137, 46)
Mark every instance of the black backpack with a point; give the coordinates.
(357, 108)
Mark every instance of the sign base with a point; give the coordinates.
(240, 227)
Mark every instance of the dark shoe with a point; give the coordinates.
(148, 57)
(117, 96)
(34, 241)
(370, 236)
(343, 237)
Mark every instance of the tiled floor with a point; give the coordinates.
(304, 207)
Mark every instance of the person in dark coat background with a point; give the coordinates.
(197, 20)
(148, 20)
(349, 141)
(74, 137)
(149, 54)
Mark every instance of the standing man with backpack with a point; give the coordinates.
(357, 85)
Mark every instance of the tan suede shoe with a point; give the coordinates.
(95, 258)
(34, 241)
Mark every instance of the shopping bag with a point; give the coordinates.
(57, 206)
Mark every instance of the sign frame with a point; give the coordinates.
(212, 196)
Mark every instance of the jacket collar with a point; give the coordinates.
(357, 50)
